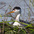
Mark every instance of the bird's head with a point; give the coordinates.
(16, 10)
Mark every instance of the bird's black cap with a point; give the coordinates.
(16, 8)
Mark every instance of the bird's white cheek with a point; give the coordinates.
(17, 11)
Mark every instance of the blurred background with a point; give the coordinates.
(27, 9)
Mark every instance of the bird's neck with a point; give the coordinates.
(17, 17)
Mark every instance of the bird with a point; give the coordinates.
(17, 11)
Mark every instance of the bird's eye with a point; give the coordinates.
(15, 10)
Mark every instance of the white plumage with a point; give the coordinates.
(17, 19)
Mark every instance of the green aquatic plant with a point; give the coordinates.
(16, 29)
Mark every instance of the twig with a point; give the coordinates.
(3, 6)
(18, 30)
(29, 7)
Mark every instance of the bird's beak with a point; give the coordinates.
(11, 12)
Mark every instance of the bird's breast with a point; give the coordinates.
(16, 24)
